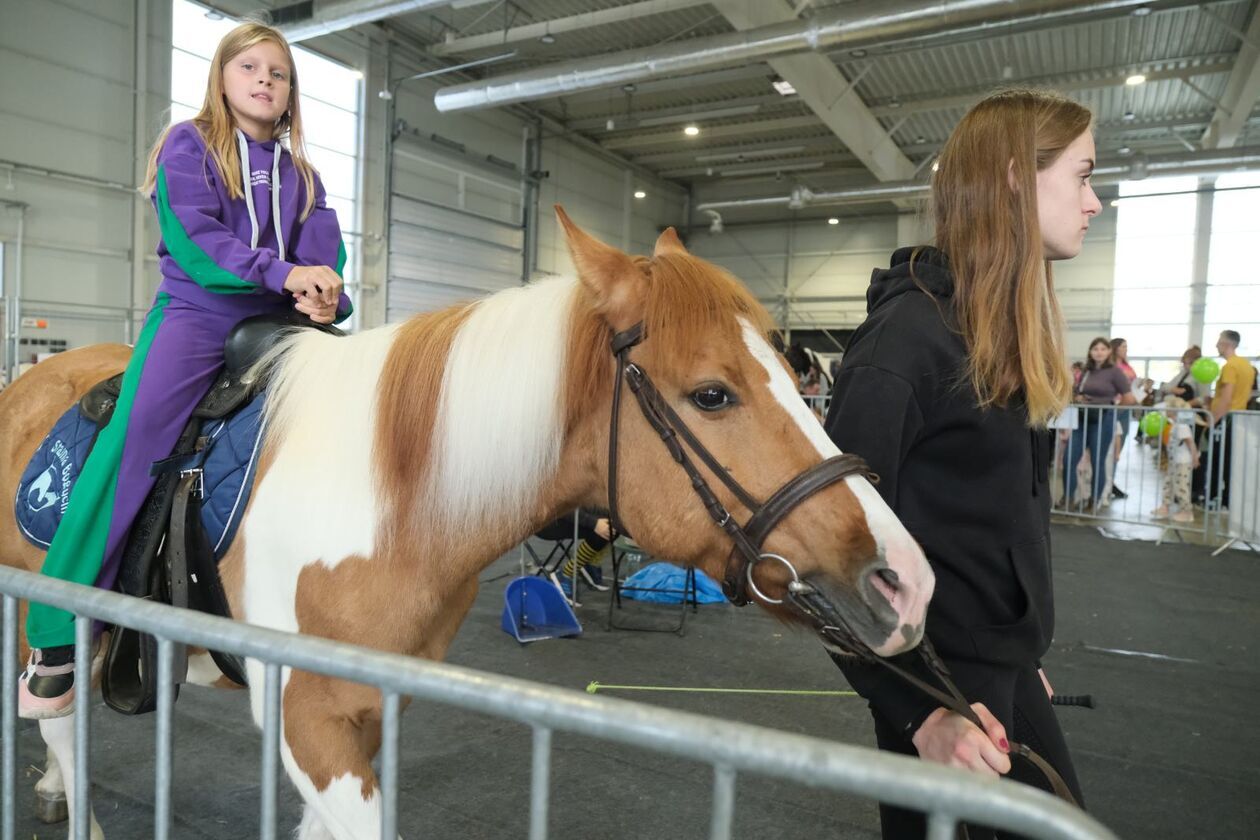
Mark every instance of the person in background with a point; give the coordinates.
(1183, 457)
(1078, 368)
(1102, 384)
(1233, 390)
(947, 390)
(1184, 385)
(1120, 355)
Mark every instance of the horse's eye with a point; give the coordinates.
(711, 398)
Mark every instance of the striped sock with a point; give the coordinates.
(584, 556)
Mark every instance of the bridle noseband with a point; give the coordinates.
(748, 538)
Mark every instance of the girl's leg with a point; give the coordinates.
(176, 359)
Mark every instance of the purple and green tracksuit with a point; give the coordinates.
(222, 260)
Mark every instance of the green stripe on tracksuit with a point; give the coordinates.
(78, 548)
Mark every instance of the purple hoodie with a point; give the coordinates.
(232, 255)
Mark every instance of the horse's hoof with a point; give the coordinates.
(51, 808)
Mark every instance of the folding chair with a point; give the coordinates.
(614, 603)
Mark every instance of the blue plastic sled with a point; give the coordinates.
(533, 609)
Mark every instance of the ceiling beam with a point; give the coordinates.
(674, 137)
(1241, 92)
(1085, 80)
(624, 120)
(328, 18)
(559, 26)
(821, 85)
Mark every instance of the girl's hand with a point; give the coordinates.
(319, 312)
(949, 738)
(319, 283)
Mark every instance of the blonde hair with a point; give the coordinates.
(218, 130)
(1004, 297)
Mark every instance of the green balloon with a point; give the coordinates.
(1153, 424)
(1205, 370)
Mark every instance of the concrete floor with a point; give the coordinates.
(1169, 752)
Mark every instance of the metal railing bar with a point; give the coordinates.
(82, 726)
(723, 803)
(165, 744)
(270, 751)
(389, 766)
(8, 728)
(941, 826)
(540, 784)
(895, 779)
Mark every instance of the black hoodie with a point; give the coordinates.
(970, 485)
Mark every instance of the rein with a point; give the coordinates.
(747, 539)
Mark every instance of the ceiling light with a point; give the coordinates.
(1115, 202)
(920, 139)
(610, 125)
(1141, 11)
(1135, 80)
(936, 164)
(858, 53)
(1129, 116)
(1124, 150)
(640, 194)
(894, 103)
(547, 38)
(784, 87)
(833, 221)
(628, 88)
(214, 14)
(691, 130)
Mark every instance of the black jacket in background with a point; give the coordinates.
(971, 486)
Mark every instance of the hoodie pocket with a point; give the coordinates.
(1029, 636)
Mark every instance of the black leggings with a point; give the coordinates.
(1024, 709)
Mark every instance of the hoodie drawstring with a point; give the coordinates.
(243, 145)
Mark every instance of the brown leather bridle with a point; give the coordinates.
(678, 438)
(748, 538)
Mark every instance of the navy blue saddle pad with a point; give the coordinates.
(230, 462)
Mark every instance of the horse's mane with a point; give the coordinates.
(490, 388)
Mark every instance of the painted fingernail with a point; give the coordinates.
(1005, 745)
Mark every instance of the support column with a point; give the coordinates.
(1202, 252)
(139, 293)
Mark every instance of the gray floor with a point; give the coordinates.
(1169, 752)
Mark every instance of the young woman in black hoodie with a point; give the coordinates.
(946, 390)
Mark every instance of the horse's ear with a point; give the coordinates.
(669, 243)
(614, 277)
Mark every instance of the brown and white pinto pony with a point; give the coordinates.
(400, 461)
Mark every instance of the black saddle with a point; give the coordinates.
(168, 557)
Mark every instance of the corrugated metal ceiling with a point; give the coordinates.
(902, 83)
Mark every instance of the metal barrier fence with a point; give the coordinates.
(946, 795)
(1101, 448)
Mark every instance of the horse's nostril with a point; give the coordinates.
(889, 577)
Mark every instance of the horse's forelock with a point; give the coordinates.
(689, 301)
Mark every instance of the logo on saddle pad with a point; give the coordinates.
(41, 495)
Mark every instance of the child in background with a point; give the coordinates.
(1183, 457)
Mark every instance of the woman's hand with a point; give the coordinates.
(1042, 673)
(949, 738)
(603, 529)
(319, 283)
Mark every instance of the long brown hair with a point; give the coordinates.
(217, 128)
(984, 198)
